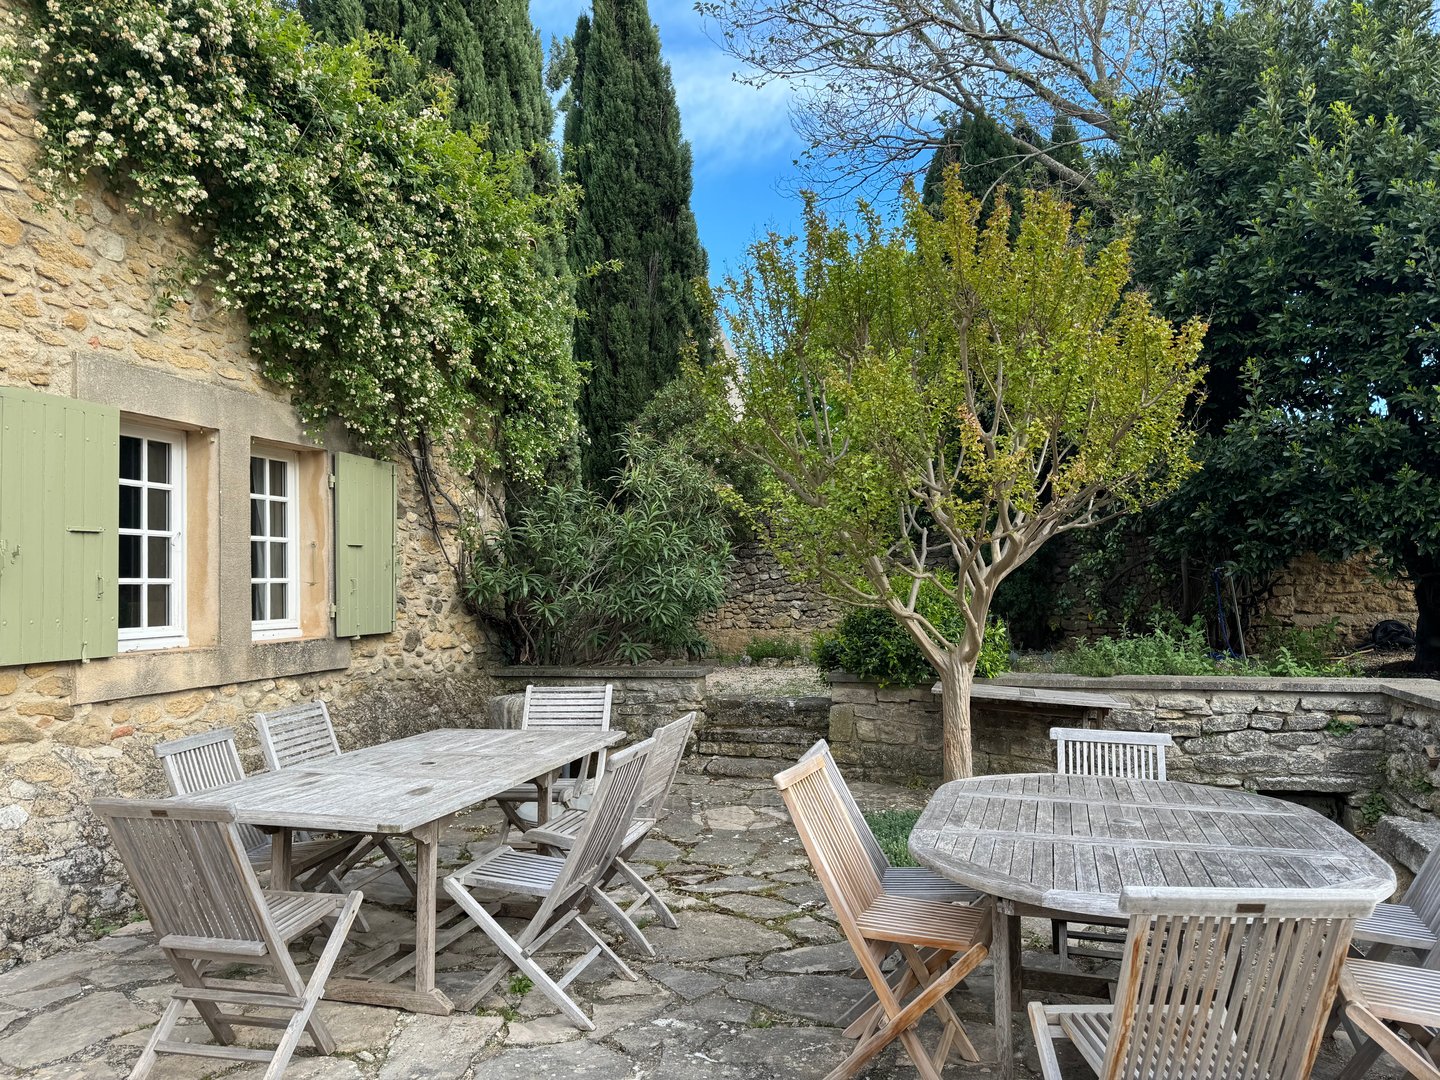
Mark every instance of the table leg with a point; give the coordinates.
(280, 861)
(542, 796)
(1003, 957)
(427, 868)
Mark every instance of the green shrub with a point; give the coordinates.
(580, 578)
(892, 830)
(1176, 648)
(775, 647)
(872, 645)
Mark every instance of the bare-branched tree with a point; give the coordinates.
(879, 81)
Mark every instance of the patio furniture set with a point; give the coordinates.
(1232, 914)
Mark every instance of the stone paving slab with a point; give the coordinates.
(750, 987)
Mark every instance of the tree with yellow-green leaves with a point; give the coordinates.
(933, 401)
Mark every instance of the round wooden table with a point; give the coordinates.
(1064, 846)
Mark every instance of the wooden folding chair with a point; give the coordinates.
(196, 764)
(1410, 924)
(1215, 984)
(940, 943)
(292, 736)
(919, 882)
(1398, 1008)
(189, 867)
(558, 708)
(1129, 755)
(662, 764)
(567, 886)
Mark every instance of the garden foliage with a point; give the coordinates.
(577, 577)
(870, 644)
(1290, 198)
(1175, 648)
(385, 263)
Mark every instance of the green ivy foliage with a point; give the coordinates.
(872, 645)
(385, 263)
(581, 578)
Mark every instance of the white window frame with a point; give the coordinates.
(272, 629)
(174, 635)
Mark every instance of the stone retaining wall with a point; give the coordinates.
(761, 600)
(644, 698)
(1373, 744)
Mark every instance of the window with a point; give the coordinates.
(152, 547)
(274, 585)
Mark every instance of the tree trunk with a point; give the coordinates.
(956, 677)
(1427, 622)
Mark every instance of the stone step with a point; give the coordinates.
(778, 736)
(810, 714)
(744, 768)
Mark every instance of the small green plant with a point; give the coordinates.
(776, 647)
(520, 985)
(1373, 808)
(871, 645)
(1338, 727)
(892, 830)
(761, 1021)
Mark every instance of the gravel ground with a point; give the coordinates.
(767, 682)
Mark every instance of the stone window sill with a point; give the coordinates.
(165, 671)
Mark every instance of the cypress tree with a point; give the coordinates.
(489, 49)
(624, 148)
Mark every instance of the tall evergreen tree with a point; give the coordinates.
(988, 158)
(489, 49)
(623, 146)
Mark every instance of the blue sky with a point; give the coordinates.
(744, 146)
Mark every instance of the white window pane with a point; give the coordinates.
(157, 461)
(158, 557)
(257, 476)
(129, 507)
(157, 509)
(129, 557)
(278, 525)
(257, 603)
(130, 457)
(129, 606)
(158, 606)
(279, 605)
(279, 475)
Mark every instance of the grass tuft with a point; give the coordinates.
(892, 832)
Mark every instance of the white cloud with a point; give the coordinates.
(728, 122)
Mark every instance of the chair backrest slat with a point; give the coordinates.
(200, 763)
(873, 851)
(297, 734)
(1127, 755)
(662, 764)
(190, 871)
(585, 708)
(1232, 984)
(827, 829)
(1423, 895)
(603, 831)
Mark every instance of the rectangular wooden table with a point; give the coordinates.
(409, 787)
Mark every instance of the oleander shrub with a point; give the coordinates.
(580, 577)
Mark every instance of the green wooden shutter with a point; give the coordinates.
(59, 516)
(364, 546)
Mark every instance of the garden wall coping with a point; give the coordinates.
(1422, 692)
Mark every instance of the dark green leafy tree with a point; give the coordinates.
(643, 309)
(989, 157)
(1293, 200)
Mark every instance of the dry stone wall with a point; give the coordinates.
(1374, 745)
(78, 291)
(761, 600)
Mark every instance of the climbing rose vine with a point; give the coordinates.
(386, 263)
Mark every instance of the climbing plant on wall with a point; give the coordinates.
(387, 264)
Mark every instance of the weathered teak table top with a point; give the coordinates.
(1046, 843)
(397, 787)
(406, 787)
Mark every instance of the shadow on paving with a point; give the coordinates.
(752, 985)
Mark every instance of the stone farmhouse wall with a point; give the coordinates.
(761, 600)
(77, 319)
(1354, 739)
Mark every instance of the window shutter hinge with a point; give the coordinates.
(331, 478)
(332, 611)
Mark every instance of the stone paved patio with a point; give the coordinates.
(751, 986)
